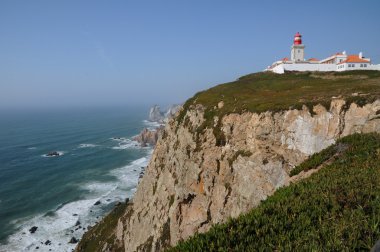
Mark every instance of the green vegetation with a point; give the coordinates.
(242, 153)
(104, 232)
(320, 158)
(171, 201)
(335, 209)
(267, 91)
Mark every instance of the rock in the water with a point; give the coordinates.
(53, 154)
(97, 203)
(33, 229)
(126, 200)
(77, 223)
(148, 137)
(48, 242)
(155, 114)
(73, 240)
(172, 110)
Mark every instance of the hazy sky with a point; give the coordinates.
(97, 53)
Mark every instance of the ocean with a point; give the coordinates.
(99, 165)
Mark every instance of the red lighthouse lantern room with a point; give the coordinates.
(297, 39)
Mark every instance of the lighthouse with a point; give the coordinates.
(298, 49)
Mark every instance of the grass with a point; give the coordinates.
(103, 232)
(335, 209)
(265, 91)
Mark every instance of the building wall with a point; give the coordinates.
(281, 68)
(357, 66)
(374, 67)
(310, 67)
(298, 53)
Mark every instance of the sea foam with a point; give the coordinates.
(59, 225)
(86, 145)
(125, 143)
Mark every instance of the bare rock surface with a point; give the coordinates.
(148, 137)
(192, 183)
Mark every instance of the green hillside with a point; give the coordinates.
(267, 91)
(336, 209)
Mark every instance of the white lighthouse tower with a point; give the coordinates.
(298, 49)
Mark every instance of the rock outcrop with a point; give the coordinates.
(193, 181)
(148, 137)
(155, 114)
(172, 110)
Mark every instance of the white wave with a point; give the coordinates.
(99, 187)
(55, 227)
(32, 148)
(59, 226)
(84, 145)
(119, 139)
(125, 143)
(60, 153)
(129, 174)
(152, 125)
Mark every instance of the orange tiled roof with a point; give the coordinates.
(313, 59)
(285, 59)
(354, 59)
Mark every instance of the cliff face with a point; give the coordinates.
(148, 137)
(194, 179)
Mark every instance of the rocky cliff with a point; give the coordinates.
(192, 182)
(219, 159)
(148, 136)
(156, 115)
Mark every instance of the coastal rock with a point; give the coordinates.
(53, 154)
(33, 229)
(97, 203)
(155, 114)
(73, 240)
(148, 137)
(172, 110)
(194, 181)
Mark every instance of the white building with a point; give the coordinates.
(336, 62)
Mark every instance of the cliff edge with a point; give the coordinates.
(232, 146)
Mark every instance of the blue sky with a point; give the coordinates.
(105, 53)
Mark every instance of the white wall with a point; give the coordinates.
(357, 67)
(374, 67)
(280, 69)
(310, 67)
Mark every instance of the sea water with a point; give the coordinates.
(98, 162)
